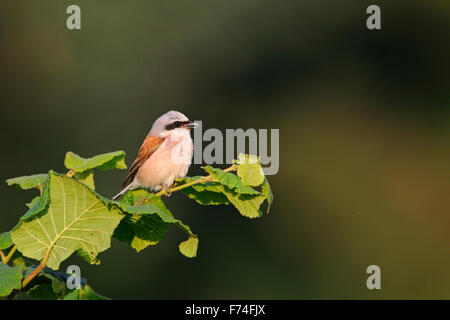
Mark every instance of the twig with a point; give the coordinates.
(11, 252)
(199, 180)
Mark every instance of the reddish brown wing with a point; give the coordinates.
(150, 145)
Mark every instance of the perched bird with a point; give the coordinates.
(164, 156)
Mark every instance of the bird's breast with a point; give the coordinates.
(170, 161)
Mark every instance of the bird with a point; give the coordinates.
(165, 155)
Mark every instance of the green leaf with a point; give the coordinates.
(230, 180)
(143, 224)
(247, 205)
(5, 240)
(28, 182)
(141, 230)
(85, 294)
(146, 220)
(88, 257)
(142, 202)
(106, 161)
(33, 202)
(229, 189)
(42, 291)
(44, 286)
(267, 192)
(189, 247)
(74, 295)
(73, 218)
(206, 197)
(149, 203)
(10, 279)
(38, 205)
(17, 259)
(86, 177)
(250, 170)
(209, 193)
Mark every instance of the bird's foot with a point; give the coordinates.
(167, 191)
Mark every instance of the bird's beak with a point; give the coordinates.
(190, 124)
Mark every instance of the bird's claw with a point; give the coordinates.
(167, 192)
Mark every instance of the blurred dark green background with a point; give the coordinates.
(364, 119)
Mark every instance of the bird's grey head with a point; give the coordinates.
(170, 121)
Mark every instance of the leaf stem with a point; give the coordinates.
(38, 269)
(8, 257)
(70, 173)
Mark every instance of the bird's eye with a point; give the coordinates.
(177, 123)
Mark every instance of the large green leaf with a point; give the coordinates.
(83, 167)
(5, 240)
(10, 279)
(28, 182)
(141, 230)
(146, 220)
(142, 225)
(112, 160)
(73, 218)
(149, 203)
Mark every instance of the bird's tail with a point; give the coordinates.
(121, 193)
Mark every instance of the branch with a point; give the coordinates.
(205, 179)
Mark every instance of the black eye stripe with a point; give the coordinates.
(176, 124)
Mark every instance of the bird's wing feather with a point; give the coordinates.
(149, 146)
